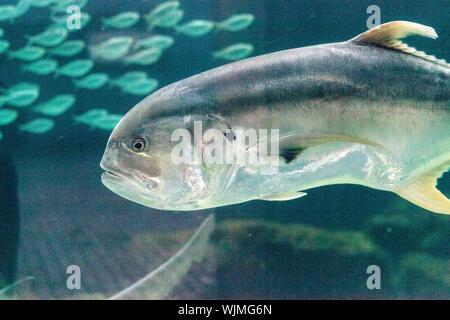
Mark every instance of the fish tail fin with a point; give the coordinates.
(388, 35)
(423, 192)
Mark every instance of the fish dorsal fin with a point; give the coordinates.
(388, 35)
(423, 191)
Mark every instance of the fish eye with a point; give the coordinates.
(137, 144)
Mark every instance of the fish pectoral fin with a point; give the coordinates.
(292, 145)
(388, 34)
(423, 192)
(284, 196)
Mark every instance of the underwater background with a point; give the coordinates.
(55, 212)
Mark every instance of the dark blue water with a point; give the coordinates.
(65, 216)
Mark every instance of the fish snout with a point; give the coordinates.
(110, 156)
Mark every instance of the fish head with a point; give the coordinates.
(139, 164)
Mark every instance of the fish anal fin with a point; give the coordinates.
(388, 35)
(284, 196)
(423, 192)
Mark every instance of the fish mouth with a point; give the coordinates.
(116, 178)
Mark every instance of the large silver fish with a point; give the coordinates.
(369, 111)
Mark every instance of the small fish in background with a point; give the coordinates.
(22, 7)
(62, 5)
(140, 87)
(38, 126)
(236, 22)
(4, 45)
(158, 41)
(2, 32)
(171, 20)
(41, 67)
(41, 3)
(7, 116)
(90, 116)
(234, 52)
(1, 135)
(196, 28)
(144, 57)
(27, 53)
(61, 20)
(7, 13)
(51, 37)
(165, 15)
(112, 49)
(92, 81)
(22, 94)
(68, 48)
(76, 68)
(128, 77)
(56, 105)
(122, 20)
(107, 122)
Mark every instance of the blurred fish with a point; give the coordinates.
(68, 48)
(51, 37)
(196, 28)
(41, 3)
(92, 81)
(162, 14)
(161, 42)
(107, 122)
(56, 105)
(170, 20)
(77, 68)
(7, 12)
(1, 135)
(128, 77)
(41, 67)
(143, 86)
(90, 116)
(27, 53)
(61, 20)
(236, 22)
(122, 20)
(23, 289)
(4, 45)
(2, 32)
(37, 126)
(112, 49)
(7, 116)
(144, 57)
(160, 282)
(22, 94)
(22, 7)
(62, 5)
(234, 52)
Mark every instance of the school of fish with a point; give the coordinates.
(53, 52)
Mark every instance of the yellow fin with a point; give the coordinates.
(423, 193)
(284, 196)
(388, 35)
